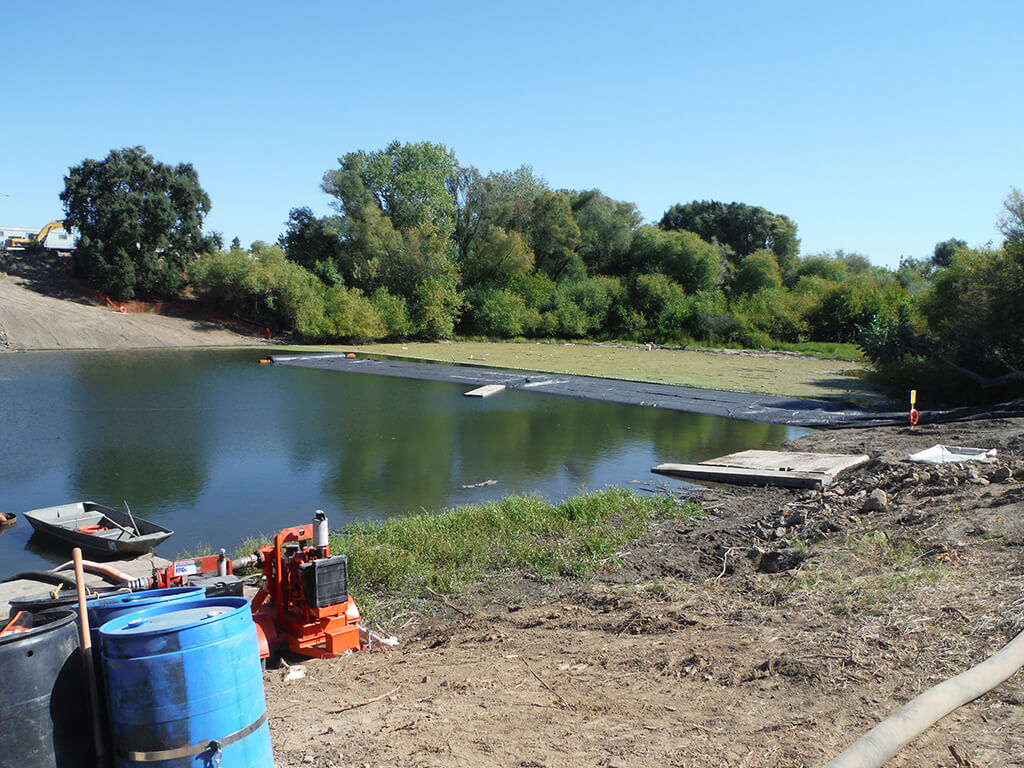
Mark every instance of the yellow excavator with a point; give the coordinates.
(38, 240)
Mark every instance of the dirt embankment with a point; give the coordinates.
(42, 308)
(772, 633)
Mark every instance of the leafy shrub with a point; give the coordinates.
(264, 287)
(595, 297)
(437, 306)
(776, 312)
(497, 312)
(664, 304)
(758, 272)
(683, 256)
(393, 312)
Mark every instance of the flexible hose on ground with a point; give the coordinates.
(47, 577)
(107, 572)
(896, 731)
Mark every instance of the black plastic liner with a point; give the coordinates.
(789, 411)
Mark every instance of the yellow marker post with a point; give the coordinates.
(914, 415)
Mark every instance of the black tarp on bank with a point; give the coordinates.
(769, 409)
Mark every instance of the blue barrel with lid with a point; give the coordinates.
(104, 609)
(185, 687)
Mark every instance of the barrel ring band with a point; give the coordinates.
(193, 749)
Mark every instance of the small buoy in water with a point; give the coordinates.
(351, 354)
(265, 360)
(123, 310)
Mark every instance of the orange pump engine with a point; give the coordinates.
(303, 604)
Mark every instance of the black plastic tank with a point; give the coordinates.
(45, 720)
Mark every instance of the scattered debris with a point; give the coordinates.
(952, 454)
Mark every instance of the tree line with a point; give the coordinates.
(419, 245)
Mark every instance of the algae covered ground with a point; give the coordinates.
(758, 372)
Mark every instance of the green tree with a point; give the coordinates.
(498, 312)
(683, 256)
(393, 312)
(664, 304)
(975, 313)
(966, 342)
(943, 254)
(508, 198)
(496, 259)
(821, 266)
(1011, 222)
(408, 182)
(743, 228)
(315, 244)
(606, 230)
(555, 237)
(140, 222)
(758, 272)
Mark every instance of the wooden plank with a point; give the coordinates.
(485, 391)
(743, 475)
(829, 464)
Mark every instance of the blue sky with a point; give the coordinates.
(880, 128)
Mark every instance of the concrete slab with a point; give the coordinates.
(781, 468)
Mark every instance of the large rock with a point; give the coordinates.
(876, 501)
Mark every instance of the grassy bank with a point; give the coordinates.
(776, 373)
(495, 545)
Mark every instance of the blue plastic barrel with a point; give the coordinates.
(185, 688)
(106, 608)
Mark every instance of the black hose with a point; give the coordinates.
(48, 577)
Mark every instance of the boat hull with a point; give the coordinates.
(101, 531)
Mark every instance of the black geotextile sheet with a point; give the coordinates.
(790, 411)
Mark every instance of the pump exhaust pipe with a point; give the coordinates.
(321, 532)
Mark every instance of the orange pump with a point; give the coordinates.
(304, 603)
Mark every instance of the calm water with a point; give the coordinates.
(218, 447)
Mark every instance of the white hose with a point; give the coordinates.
(887, 738)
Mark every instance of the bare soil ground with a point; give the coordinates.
(772, 633)
(42, 308)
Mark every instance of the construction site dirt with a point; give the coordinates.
(771, 633)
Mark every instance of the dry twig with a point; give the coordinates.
(561, 698)
(448, 602)
(357, 704)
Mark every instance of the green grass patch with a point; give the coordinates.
(863, 574)
(398, 561)
(825, 350)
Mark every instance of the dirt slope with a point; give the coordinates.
(40, 308)
(732, 642)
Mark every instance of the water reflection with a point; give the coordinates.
(217, 447)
